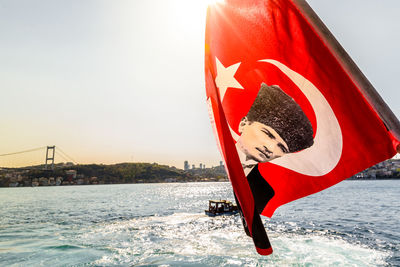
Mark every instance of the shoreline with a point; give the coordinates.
(144, 173)
(184, 182)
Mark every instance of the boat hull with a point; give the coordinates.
(227, 213)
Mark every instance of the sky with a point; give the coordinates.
(123, 81)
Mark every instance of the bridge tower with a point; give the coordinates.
(52, 150)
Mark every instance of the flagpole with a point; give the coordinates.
(367, 89)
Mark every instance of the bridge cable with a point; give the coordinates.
(65, 154)
(25, 151)
(59, 154)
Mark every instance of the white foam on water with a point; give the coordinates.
(199, 239)
(323, 251)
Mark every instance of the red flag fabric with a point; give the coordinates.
(287, 113)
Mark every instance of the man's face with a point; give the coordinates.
(260, 142)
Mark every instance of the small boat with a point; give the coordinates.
(221, 207)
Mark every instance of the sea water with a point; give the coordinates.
(355, 223)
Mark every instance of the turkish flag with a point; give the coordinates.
(258, 50)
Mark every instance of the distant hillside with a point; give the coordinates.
(104, 174)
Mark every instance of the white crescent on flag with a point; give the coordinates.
(323, 156)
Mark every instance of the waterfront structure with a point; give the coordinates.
(71, 174)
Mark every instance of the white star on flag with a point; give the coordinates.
(225, 77)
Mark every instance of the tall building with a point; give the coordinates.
(201, 166)
(220, 163)
(193, 167)
(186, 165)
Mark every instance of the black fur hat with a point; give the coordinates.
(275, 108)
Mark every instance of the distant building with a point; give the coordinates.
(71, 174)
(201, 166)
(221, 163)
(186, 165)
(193, 167)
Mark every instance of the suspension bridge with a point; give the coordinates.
(33, 158)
